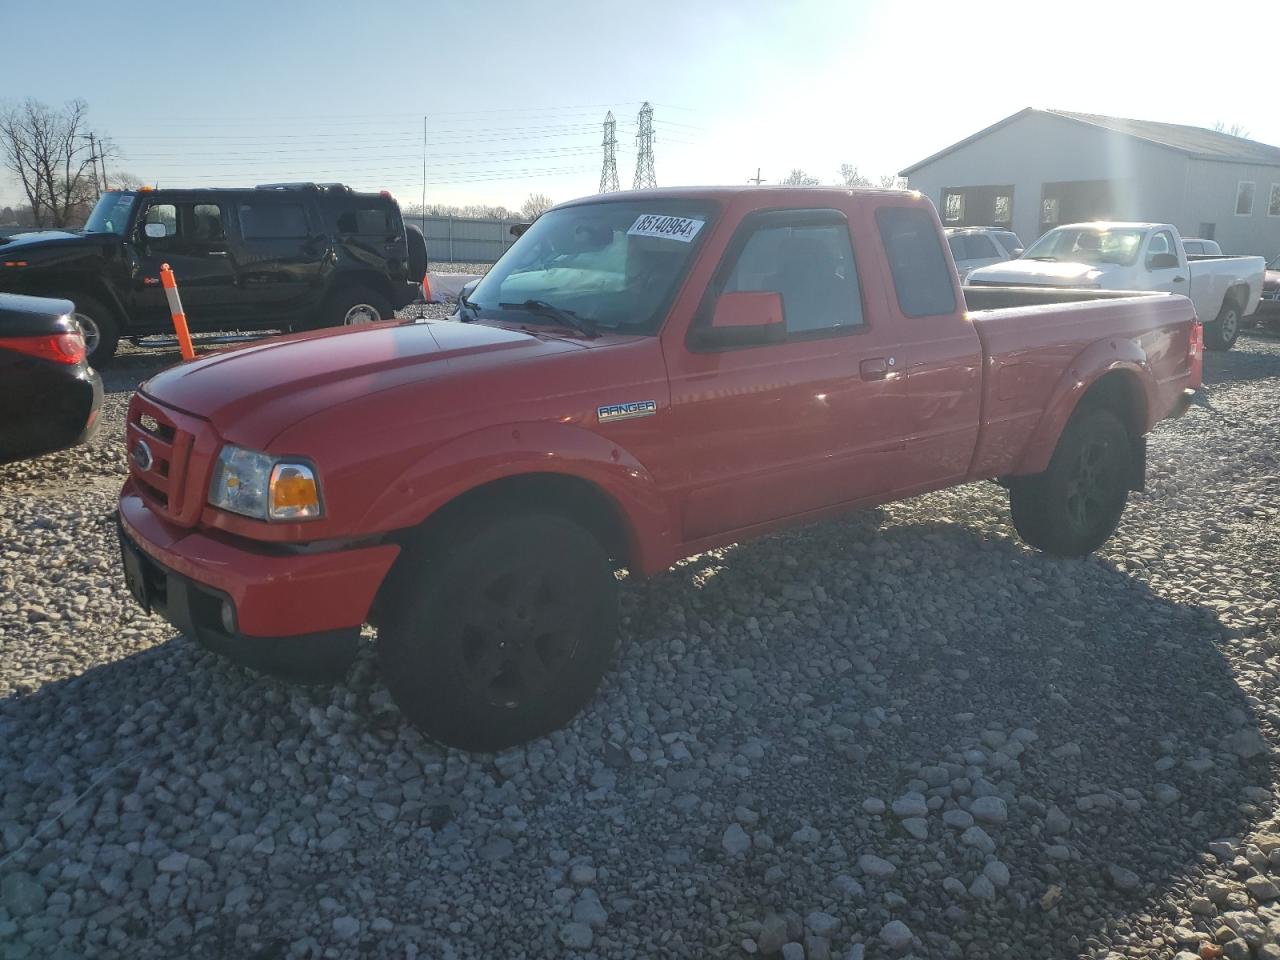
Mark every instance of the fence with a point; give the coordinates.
(461, 239)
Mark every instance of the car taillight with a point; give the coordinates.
(65, 348)
(1195, 354)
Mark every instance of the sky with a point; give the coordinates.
(514, 94)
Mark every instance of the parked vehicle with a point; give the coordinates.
(1196, 247)
(643, 376)
(49, 396)
(973, 247)
(1139, 256)
(279, 255)
(1269, 305)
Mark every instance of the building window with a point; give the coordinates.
(1273, 204)
(1049, 212)
(954, 207)
(1003, 210)
(1244, 198)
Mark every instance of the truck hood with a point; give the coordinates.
(21, 242)
(250, 394)
(1057, 273)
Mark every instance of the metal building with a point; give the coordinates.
(1039, 168)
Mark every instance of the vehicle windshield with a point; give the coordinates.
(616, 264)
(111, 214)
(1087, 245)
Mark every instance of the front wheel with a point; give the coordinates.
(500, 632)
(100, 328)
(1075, 505)
(1221, 334)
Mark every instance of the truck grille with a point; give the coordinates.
(160, 443)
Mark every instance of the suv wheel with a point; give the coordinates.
(501, 631)
(100, 329)
(1075, 505)
(356, 307)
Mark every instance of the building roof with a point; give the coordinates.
(1194, 142)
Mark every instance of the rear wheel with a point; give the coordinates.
(1221, 334)
(100, 328)
(1075, 505)
(499, 632)
(355, 307)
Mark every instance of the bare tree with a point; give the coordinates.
(891, 181)
(123, 181)
(535, 206)
(798, 178)
(850, 176)
(48, 151)
(1234, 130)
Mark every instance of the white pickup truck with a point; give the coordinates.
(1138, 256)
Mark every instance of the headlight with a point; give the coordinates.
(261, 486)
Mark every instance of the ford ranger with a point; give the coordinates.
(642, 376)
(1138, 256)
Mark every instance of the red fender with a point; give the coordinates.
(510, 450)
(1095, 362)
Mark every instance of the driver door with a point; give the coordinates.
(1162, 250)
(194, 245)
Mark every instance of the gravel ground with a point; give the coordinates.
(903, 733)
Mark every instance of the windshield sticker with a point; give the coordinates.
(625, 411)
(669, 228)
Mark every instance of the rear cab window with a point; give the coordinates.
(921, 275)
(366, 219)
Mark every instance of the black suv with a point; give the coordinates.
(291, 256)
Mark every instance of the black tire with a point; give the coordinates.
(499, 632)
(417, 252)
(1075, 505)
(346, 307)
(1222, 333)
(100, 326)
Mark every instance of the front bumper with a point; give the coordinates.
(272, 608)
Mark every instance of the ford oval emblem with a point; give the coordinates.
(142, 457)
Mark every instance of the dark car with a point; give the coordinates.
(276, 256)
(1268, 311)
(49, 395)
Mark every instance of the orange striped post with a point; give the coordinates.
(426, 288)
(175, 308)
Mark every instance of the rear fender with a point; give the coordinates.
(1088, 368)
(495, 453)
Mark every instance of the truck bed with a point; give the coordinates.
(1032, 338)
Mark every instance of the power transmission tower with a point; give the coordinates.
(609, 172)
(645, 176)
(756, 179)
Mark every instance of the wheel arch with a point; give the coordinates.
(1119, 380)
(563, 468)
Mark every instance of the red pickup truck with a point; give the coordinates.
(642, 376)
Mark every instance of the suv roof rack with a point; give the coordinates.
(303, 185)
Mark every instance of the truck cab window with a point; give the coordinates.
(921, 275)
(206, 223)
(811, 267)
(365, 222)
(1161, 242)
(163, 213)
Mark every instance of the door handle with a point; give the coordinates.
(1179, 279)
(875, 368)
(217, 253)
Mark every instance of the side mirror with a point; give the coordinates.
(743, 319)
(518, 229)
(1016, 252)
(467, 288)
(155, 231)
(1163, 261)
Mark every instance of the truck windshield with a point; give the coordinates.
(111, 214)
(615, 264)
(1087, 245)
